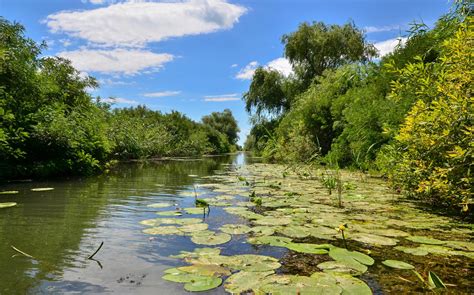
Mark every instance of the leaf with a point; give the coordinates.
(244, 281)
(203, 284)
(397, 264)
(210, 238)
(351, 285)
(425, 240)
(435, 281)
(235, 229)
(340, 254)
(7, 205)
(42, 189)
(307, 248)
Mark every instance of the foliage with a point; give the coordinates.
(434, 148)
(51, 125)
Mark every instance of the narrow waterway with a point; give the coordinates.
(61, 228)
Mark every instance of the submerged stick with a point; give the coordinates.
(98, 249)
(21, 252)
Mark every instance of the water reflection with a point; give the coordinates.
(63, 227)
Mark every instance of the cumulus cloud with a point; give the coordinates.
(388, 46)
(116, 61)
(162, 94)
(281, 65)
(136, 23)
(222, 97)
(119, 100)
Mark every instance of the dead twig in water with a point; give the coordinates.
(98, 249)
(21, 252)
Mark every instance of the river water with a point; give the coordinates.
(61, 228)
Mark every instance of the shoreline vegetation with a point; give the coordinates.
(51, 126)
(407, 115)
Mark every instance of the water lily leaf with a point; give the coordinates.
(9, 192)
(413, 251)
(286, 284)
(235, 229)
(180, 221)
(163, 230)
(42, 189)
(434, 281)
(270, 220)
(340, 254)
(159, 205)
(460, 245)
(351, 285)
(203, 284)
(348, 267)
(294, 231)
(262, 230)
(7, 205)
(191, 228)
(425, 240)
(307, 248)
(245, 281)
(205, 270)
(252, 262)
(397, 264)
(270, 240)
(198, 252)
(436, 249)
(373, 239)
(169, 213)
(210, 238)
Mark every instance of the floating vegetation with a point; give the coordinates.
(42, 189)
(7, 205)
(9, 192)
(282, 209)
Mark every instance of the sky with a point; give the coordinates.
(196, 56)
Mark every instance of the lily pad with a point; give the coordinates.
(42, 189)
(262, 230)
(294, 231)
(159, 205)
(413, 251)
(9, 192)
(340, 254)
(205, 270)
(397, 264)
(192, 228)
(7, 205)
(347, 267)
(203, 284)
(163, 230)
(270, 240)
(235, 229)
(307, 248)
(270, 220)
(245, 281)
(210, 238)
(351, 285)
(373, 239)
(286, 284)
(425, 240)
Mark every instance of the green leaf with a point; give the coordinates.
(397, 264)
(435, 281)
(7, 205)
(203, 284)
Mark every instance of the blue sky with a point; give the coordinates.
(196, 56)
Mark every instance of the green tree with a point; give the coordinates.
(225, 123)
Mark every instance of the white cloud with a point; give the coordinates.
(373, 29)
(65, 42)
(99, 2)
(116, 61)
(112, 82)
(387, 46)
(222, 97)
(136, 23)
(119, 100)
(234, 65)
(162, 94)
(280, 64)
(247, 72)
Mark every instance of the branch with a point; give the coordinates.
(98, 249)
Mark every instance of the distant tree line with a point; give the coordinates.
(51, 125)
(408, 114)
